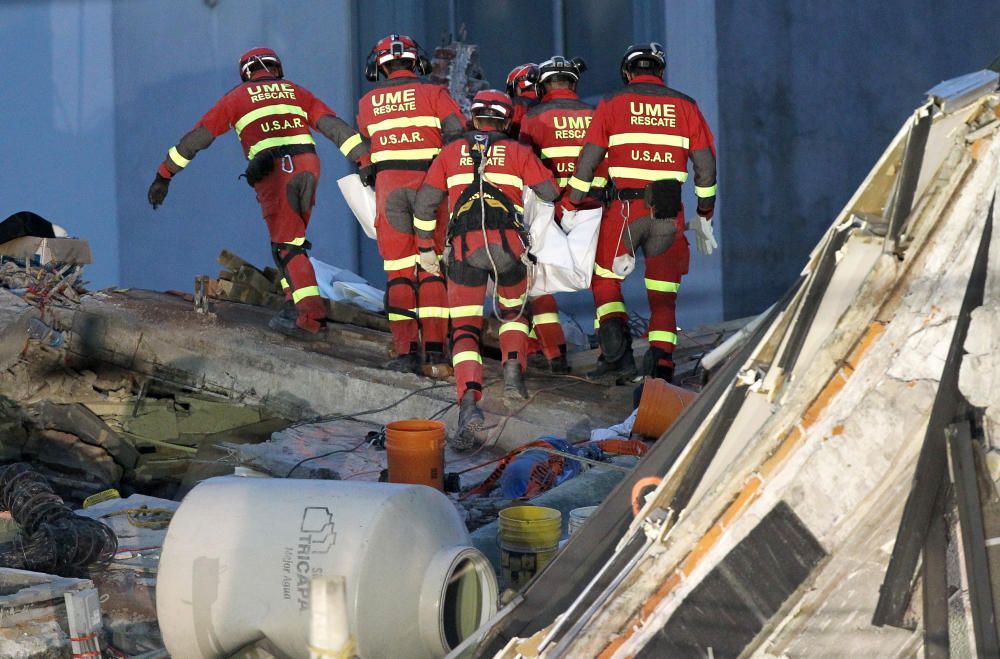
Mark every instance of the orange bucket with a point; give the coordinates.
(415, 450)
(659, 407)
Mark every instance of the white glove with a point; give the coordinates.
(429, 262)
(704, 235)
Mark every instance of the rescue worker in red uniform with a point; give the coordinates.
(407, 121)
(272, 118)
(648, 132)
(521, 89)
(483, 176)
(555, 129)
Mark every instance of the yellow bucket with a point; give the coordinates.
(529, 538)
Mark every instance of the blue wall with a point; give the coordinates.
(173, 61)
(58, 129)
(802, 96)
(810, 95)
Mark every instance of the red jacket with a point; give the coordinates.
(265, 112)
(648, 132)
(555, 129)
(521, 106)
(408, 120)
(509, 166)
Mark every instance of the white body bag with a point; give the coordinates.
(565, 254)
(361, 200)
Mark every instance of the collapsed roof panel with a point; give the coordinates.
(821, 432)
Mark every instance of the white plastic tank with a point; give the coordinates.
(240, 554)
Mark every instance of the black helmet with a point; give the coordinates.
(558, 65)
(644, 57)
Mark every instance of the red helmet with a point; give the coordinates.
(259, 58)
(521, 80)
(492, 104)
(395, 47)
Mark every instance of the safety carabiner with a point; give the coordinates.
(287, 165)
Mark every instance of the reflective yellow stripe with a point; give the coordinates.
(545, 318)
(510, 301)
(399, 316)
(662, 286)
(296, 241)
(514, 327)
(492, 177)
(459, 179)
(705, 192)
(272, 142)
(405, 154)
(649, 138)
(599, 182)
(561, 152)
(268, 111)
(350, 143)
(433, 312)
(504, 179)
(467, 310)
(308, 291)
(284, 283)
(177, 158)
(604, 272)
(531, 334)
(561, 182)
(577, 184)
(646, 174)
(662, 337)
(425, 225)
(610, 307)
(467, 356)
(404, 122)
(399, 264)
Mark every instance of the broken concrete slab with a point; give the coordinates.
(14, 316)
(233, 355)
(33, 620)
(90, 428)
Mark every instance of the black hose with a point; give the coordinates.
(52, 539)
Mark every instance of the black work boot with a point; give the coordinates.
(408, 363)
(616, 362)
(470, 423)
(559, 365)
(658, 363)
(513, 382)
(286, 325)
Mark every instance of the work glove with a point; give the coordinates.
(429, 262)
(367, 173)
(704, 235)
(158, 190)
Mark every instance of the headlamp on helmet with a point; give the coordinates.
(644, 58)
(396, 47)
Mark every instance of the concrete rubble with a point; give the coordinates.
(124, 400)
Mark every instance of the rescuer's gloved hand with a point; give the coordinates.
(367, 173)
(429, 262)
(704, 235)
(158, 190)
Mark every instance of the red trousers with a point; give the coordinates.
(287, 196)
(626, 227)
(468, 272)
(545, 321)
(416, 301)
